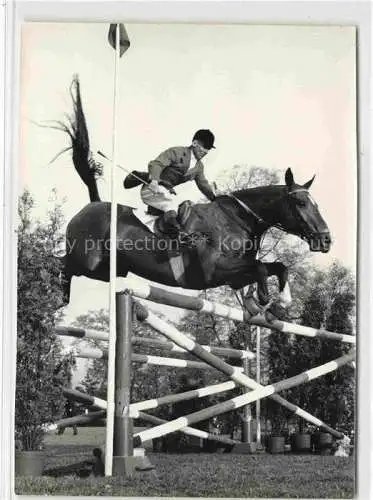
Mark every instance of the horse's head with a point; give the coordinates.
(300, 215)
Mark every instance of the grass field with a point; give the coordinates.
(195, 475)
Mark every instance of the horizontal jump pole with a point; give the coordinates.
(144, 358)
(80, 333)
(180, 300)
(190, 431)
(84, 419)
(100, 403)
(71, 331)
(178, 363)
(220, 351)
(135, 408)
(243, 400)
(182, 340)
(87, 399)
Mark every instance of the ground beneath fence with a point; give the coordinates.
(193, 475)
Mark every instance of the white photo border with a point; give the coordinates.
(12, 14)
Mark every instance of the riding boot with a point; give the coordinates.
(171, 223)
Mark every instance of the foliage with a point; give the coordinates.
(330, 305)
(42, 368)
(146, 381)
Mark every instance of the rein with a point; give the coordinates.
(260, 219)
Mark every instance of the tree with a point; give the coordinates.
(330, 305)
(95, 378)
(42, 368)
(146, 381)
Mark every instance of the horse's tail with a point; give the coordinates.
(86, 166)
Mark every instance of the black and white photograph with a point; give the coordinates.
(187, 234)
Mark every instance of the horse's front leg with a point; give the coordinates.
(278, 307)
(253, 288)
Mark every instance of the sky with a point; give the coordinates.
(274, 96)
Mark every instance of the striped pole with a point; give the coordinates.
(85, 398)
(183, 341)
(81, 333)
(71, 331)
(238, 402)
(190, 431)
(144, 358)
(84, 419)
(162, 361)
(161, 296)
(148, 404)
(246, 417)
(182, 396)
(220, 351)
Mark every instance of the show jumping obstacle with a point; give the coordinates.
(179, 342)
(136, 409)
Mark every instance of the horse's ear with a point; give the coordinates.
(289, 179)
(308, 184)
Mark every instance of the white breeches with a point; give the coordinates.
(161, 198)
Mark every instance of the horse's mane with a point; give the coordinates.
(260, 193)
(259, 190)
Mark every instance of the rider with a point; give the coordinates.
(175, 166)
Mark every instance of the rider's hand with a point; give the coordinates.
(154, 186)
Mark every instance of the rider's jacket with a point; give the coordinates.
(172, 168)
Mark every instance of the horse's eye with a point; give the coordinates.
(301, 203)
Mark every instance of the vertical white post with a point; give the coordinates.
(246, 420)
(258, 426)
(113, 273)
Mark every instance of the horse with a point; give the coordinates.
(230, 230)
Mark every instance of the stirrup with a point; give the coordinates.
(191, 240)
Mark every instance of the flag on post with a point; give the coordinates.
(124, 42)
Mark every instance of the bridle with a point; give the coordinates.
(262, 221)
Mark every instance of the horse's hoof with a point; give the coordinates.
(252, 307)
(275, 311)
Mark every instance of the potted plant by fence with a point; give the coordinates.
(276, 441)
(42, 368)
(301, 440)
